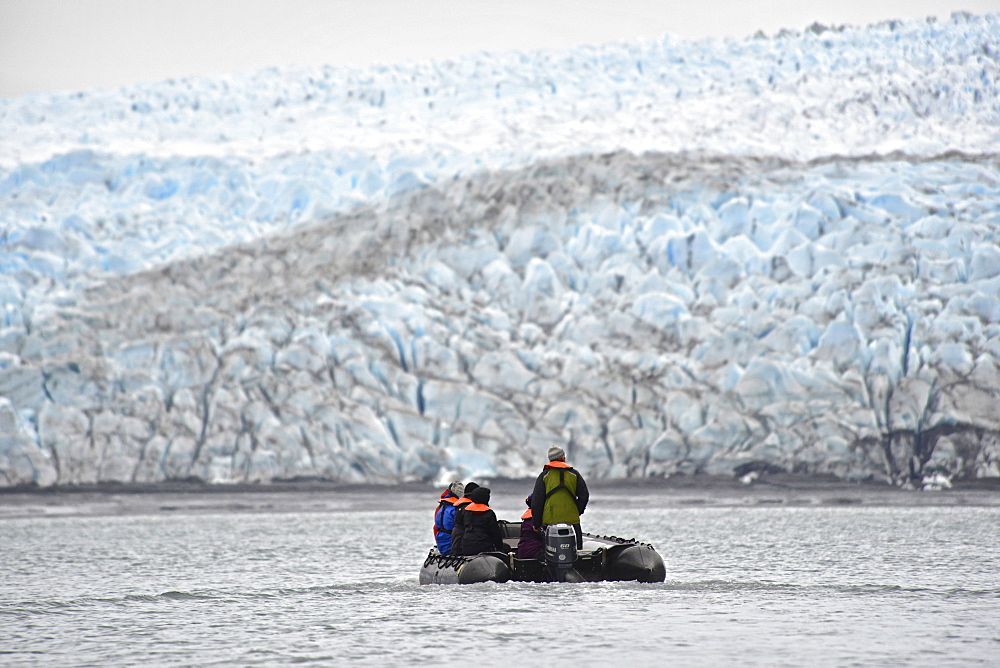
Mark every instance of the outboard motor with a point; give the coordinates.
(560, 550)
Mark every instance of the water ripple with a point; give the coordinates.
(792, 583)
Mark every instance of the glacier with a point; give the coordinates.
(672, 257)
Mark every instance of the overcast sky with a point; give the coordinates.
(79, 44)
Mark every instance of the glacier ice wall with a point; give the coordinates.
(671, 257)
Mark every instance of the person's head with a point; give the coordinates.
(527, 500)
(457, 489)
(480, 495)
(470, 487)
(557, 454)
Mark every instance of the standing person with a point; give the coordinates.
(444, 516)
(458, 529)
(560, 495)
(530, 545)
(482, 531)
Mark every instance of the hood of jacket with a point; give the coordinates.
(480, 495)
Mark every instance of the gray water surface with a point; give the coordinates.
(331, 579)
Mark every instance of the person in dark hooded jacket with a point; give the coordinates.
(481, 531)
(458, 526)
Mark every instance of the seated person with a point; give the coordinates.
(531, 544)
(444, 516)
(480, 530)
(458, 525)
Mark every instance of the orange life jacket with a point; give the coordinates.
(477, 507)
(558, 465)
(526, 515)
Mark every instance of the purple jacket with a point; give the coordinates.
(531, 545)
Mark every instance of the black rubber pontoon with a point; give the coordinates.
(441, 569)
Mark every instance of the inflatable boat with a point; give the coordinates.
(601, 558)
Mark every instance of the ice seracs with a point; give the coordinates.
(672, 257)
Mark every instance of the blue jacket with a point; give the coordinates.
(444, 522)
